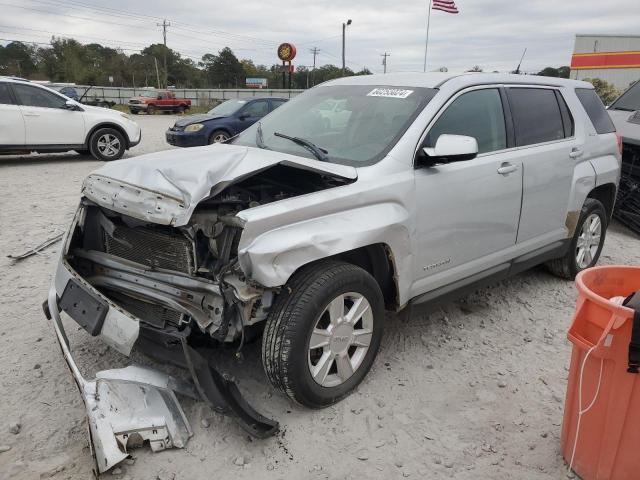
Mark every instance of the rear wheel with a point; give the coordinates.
(218, 136)
(107, 144)
(323, 333)
(586, 243)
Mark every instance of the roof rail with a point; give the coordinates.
(10, 77)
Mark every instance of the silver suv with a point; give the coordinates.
(359, 196)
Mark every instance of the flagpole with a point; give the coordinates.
(426, 44)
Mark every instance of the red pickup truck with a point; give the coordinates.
(153, 100)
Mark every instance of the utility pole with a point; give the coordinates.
(315, 51)
(164, 26)
(384, 60)
(344, 28)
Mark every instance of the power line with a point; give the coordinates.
(384, 60)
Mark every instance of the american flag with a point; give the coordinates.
(448, 6)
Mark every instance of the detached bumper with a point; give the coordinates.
(128, 406)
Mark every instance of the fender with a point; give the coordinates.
(272, 257)
(584, 180)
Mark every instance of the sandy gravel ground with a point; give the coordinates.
(471, 390)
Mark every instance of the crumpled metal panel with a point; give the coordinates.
(165, 187)
(126, 407)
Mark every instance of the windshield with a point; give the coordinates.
(352, 124)
(149, 94)
(227, 108)
(629, 100)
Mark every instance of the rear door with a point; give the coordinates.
(548, 149)
(46, 120)
(11, 121)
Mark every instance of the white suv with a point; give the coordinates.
(34, 118)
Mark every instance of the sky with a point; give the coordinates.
(489, 33)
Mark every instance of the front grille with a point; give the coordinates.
(156, 248)
(627, 208)
(175, 128)
(150, 313)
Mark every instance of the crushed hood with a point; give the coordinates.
(165, 187)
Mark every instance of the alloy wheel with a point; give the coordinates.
(340, 339)
(108, 145)
(588, 241)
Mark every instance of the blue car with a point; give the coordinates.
(220, 123)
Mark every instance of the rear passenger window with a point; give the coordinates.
(477, 114)
(5, 95)
(595, 109)
(536, 115)
(567, 118)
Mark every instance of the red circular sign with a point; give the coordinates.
(286, 52)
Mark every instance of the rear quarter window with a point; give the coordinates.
(595, 110)
(536, 115)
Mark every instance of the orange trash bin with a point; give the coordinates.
(601, 426)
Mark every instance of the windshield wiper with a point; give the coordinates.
(319, 153)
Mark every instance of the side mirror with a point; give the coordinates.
(69, 105)
(243, 116)
(159, 97)
(449, 148)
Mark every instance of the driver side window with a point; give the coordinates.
(257, 109)
(477, 114)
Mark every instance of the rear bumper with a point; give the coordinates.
(183, 139)
(127, 406)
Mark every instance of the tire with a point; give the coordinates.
(302, 308)
(181, 109)
(107, 144)
(151, 110)
(218, 136)
(134, 112)
(592, 214)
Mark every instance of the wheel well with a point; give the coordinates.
(221, 129)
(107, 125)
(605, 194)
(377, 259)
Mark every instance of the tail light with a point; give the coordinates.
(619, 138)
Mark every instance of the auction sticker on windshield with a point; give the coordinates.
(390, 92)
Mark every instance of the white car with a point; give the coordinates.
(34, 118)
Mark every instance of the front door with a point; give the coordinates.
(11, 121)
(252, 113)
(46, 120)
(467, 212)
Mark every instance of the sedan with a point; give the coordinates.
(220, 123)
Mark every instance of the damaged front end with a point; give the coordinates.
(162, 289)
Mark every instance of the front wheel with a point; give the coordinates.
(323, 333)
(151, 110)
(107, 144)
(587, 241)
(219, 136)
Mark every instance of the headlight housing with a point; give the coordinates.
(194, 127)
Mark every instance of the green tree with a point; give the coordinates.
(561, 72)
(224, 70)
(18, 58)
(605, 90)
(475, 68)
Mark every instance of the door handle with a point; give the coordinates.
(575, 152)
(507, 168)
